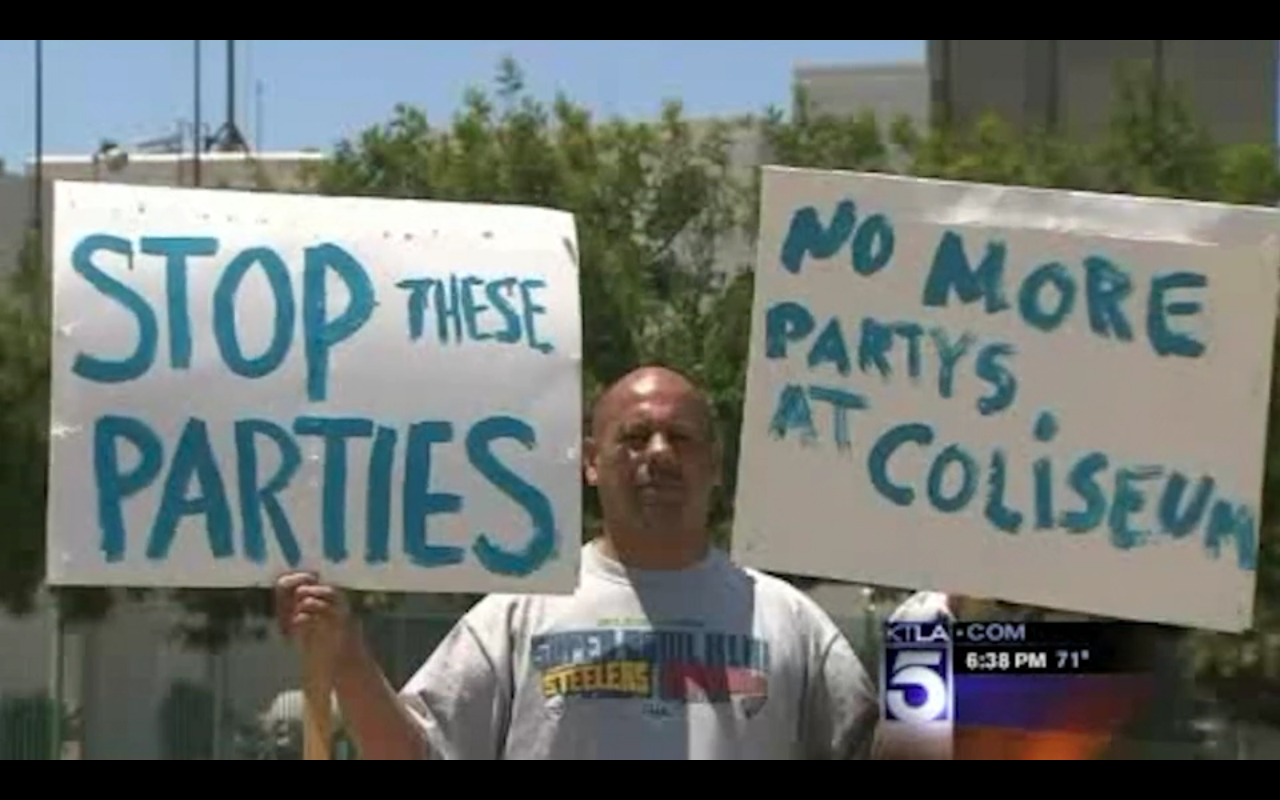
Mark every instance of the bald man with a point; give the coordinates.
(666, 650)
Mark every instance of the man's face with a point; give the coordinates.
(653, 457)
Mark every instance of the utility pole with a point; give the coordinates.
(37, 199)
(197, 133)
(228, 139)
(56, 656)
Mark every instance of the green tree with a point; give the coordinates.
(24, 439)
(24, 397)
(655, 203)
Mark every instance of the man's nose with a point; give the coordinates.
(659, 446)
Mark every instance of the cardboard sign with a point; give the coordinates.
(1045, 397)
(385, 391)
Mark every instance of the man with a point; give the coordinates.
(666, 650)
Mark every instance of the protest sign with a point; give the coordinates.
(384, 391)
(1046, 397)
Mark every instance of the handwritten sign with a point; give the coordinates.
(1050, 398)
(385, 391)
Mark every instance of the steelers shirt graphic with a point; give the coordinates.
(664, 669)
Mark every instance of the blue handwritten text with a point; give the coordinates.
(1077, 493)
(323, 329)
(1046, 298)
(834, 346)
(1109, 495)
(473, 309)
(193, 464)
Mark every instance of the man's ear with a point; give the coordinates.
(589, 452)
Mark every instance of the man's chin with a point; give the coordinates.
(660, 514)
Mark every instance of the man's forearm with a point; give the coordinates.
(379, 723)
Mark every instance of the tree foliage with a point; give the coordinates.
(654, 203)
(664, 220)
(24, 398)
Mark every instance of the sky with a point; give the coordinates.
(316, 92)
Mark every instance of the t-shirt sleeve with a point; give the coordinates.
(460, 699)
(840, 705)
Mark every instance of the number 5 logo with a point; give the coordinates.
(918, 670)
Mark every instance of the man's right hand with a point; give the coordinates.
(319, 617)
(314, 614)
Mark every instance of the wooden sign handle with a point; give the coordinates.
(317, 709)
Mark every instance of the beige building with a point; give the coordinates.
(285, 171)
(1067, 84)
(282, 171)
(16, 197)
(887, 90)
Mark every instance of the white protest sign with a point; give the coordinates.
(385, 391)
(1044, 397)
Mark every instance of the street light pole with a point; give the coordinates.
(56, 655)
(197, 135)
(37, 199)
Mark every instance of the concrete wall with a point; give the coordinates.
(16, 197)
(887, 90)
(282, 171)
(119, 672)
(1232, 84)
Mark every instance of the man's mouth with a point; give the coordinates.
(662, 487)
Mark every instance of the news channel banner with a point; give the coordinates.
(1028, 676)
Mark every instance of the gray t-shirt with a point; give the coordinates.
(711, 662)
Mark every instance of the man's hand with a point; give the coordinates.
(319, 617)
(315, 615)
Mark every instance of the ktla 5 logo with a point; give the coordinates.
(918, 688)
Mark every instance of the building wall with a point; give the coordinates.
(119, 672)
(1232, 84)
(15, 218)
(887, 90)
(734, 252)
(280, 171)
